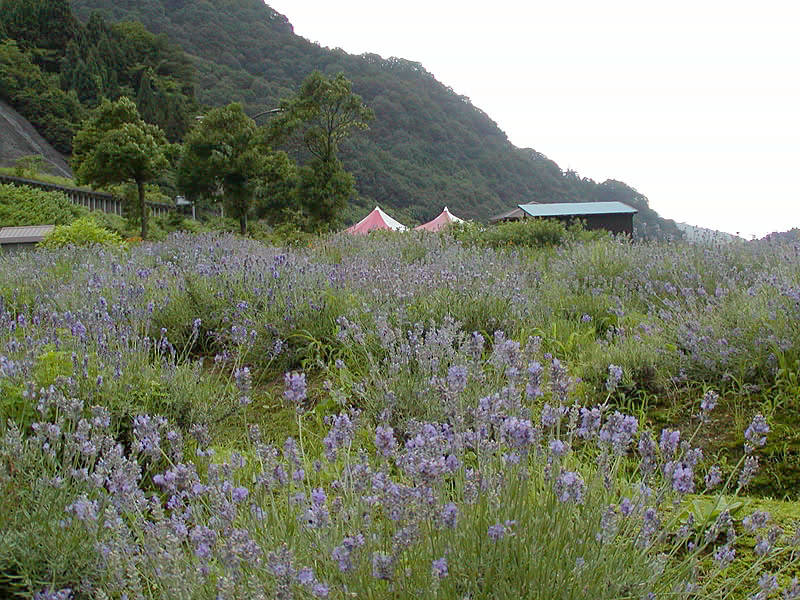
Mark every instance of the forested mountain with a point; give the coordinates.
(53, 69)
(427, 147)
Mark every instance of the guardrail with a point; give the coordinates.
(91, 200)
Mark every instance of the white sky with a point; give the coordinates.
(695, 104)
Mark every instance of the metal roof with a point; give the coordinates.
(515, 213)
(577, 208)
(24, 235)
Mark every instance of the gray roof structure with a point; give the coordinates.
(568, 209)
(515, 213)
(24, 235)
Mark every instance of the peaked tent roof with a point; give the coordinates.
(563, 209)
(377, 219)
(443, 220)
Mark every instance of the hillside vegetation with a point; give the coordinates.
(53, 69)
(427, 147)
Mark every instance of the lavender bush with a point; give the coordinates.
(389, 417)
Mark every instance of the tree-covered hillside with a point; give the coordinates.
(427, 147)
(53, 68)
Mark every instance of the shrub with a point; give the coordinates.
(83, 232)
(529, 233)
(22, 205)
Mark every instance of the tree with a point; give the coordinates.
(116, 146)
(226, 152)
(322, 114)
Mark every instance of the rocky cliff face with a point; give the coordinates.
(18, 138)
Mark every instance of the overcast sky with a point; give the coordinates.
(695, 104)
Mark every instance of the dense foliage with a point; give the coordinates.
(116, 146)
(399, 415)
(528, 233)
(29, 206)
(427, 147)
(320, 118)
(225, 155)
(53, 68)
(81, 232)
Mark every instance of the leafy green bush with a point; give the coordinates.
(527, 234)
(21, 205)
(83, 232)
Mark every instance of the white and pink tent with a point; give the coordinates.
(377, 219)
(440, 222)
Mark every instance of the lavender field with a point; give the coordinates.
(400, 416)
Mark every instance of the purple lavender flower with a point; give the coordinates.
(239, 494)
(647, 452)
(756, 521)
(626, 507)
(449, 515)
(614, 377)
(382, 566)
(570, 487)
(295, 384)
(146, 434)
(518, 433)
(457, 379)
(534, 387)
(619, 431)
(342, 557)
(51, 594)
(320, 590)
(590, 422)
(498, 531)
(709, 401)
(749, 470)
(318, 496)
(475, 345)
(305, 576)
(552, 415)
(683, 479)
(243, 379)
(339, 436)
(439, 568)
(558, 448)
(291, 452)
(650, 525)
(763, 546)
(792, 592)
(341, 554)
(713, 477)
(204, 540)
(724, 555)
(560, 382)
(384, 440)
(768, 582)
(669, 442)
(756, 431)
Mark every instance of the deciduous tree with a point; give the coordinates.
(322, 114)
(116, 146)
(227, 153)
